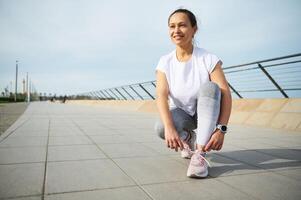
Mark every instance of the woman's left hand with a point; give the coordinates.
(216, 141)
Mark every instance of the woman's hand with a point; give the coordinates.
(216, 141)
(172, 139)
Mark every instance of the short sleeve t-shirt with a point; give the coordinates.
(184, 78)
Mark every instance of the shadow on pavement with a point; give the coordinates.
(255, 159)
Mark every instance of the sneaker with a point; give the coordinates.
(198, 167)
(189, 145)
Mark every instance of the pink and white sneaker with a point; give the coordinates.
(198, 167)
(189, 144)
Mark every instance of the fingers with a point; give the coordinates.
(180, 144)
(209, 145)
(174, 144)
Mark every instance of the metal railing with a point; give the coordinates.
(270, 78)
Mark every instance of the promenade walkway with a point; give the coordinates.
(61, 151)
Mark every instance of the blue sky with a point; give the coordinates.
(74, 46)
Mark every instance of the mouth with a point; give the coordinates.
(178, 37)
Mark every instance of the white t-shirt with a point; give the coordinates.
(184, 78)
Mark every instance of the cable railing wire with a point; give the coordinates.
(277, 77)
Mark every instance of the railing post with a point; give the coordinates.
(103, 94)
(96, 95)
(273, 81)
(91, 94)
(128, 93)
(115, 94)
(232, 88)
(100, 95)
(136, 92)
(154, 84)
(110, 96)
(146, 91)
(120, 94)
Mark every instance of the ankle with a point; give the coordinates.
(200, 148)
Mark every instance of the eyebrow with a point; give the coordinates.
(173, 23)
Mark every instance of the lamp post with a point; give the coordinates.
(16, 84)
(27, 88)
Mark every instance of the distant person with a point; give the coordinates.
(64, 99)
(192, 94)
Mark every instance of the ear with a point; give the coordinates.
(195, 29)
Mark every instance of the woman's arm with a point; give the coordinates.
(172, 138)
(217, 139)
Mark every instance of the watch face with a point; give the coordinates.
(224, 128)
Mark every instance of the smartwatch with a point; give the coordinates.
(223, 128)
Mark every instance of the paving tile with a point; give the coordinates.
(108, 139)
(260, 160)
(127, 150)
(20, 141)
(145, 138)
(84, 175)
(194, 190)
(160, 147)
(74, 152)
(250, 144)
(153, 169)
(43, 133)
(100, 132)
(21, 179)
(265, 185)
(67, 132)
(292, 154)
(69, 140)
(222, 166)
(291, 173)
(22, 155)
(131, 193)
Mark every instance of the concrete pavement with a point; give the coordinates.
(60, 151)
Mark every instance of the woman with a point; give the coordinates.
(192, 93)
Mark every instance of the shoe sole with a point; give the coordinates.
(198, 176)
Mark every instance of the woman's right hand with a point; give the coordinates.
(172, 139)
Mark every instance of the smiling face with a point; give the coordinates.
(181, 31)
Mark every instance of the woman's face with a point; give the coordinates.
(180, 30)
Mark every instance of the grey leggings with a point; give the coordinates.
(205, 118)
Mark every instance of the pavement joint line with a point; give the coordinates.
(59, 161)
(8, 134)
(132, 178)
(46, 163)
(91, 190)
(21, 196)
(24, 163)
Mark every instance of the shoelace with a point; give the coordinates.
(202, 158)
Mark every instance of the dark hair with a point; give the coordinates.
(188, 13)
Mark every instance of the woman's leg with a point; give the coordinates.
(208, 109)
(182, 121)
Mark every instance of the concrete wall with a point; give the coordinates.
(274, 113)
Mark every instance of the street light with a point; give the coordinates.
(16, 88)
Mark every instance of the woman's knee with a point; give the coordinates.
(209, 89)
